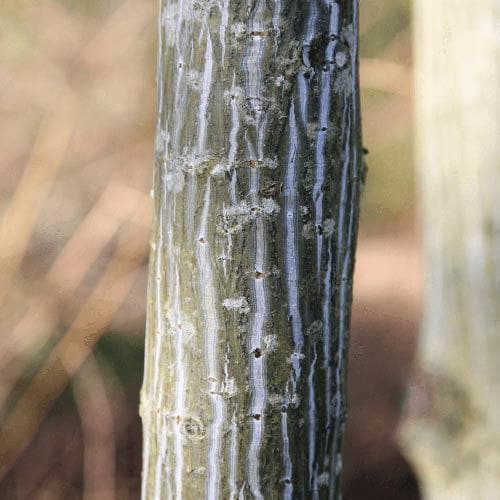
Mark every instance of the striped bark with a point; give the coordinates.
(453, 437)
(256, 193)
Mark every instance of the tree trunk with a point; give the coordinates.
(454, 441)
(256, 194)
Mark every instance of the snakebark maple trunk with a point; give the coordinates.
(257, 181)
(454, 437)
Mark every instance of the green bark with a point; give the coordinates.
(257, 185)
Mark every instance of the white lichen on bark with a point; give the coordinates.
(258, 137)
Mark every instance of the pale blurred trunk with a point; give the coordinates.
(454, 434)
(256, 194)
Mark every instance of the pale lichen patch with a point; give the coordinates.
(161, 141)
(270, 163)
(311, 130)
(233, 95)
(204, 6)
(338, 463)
(195, 164)
(308, 231)
(198, 471)
(236, 216)
(295, 401)
(174, 181)
(278, 81)
(220, 169)
(269, 206)
(275, 399)
(229, 388)
(323, 479)
(270, 343)
(341, 58)
(328, 227)
(238, 30)
(239, 304)
(193, 78)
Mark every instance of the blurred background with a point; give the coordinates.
(77, 99)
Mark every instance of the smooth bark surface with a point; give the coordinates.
(454, 441)
(257, 182)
